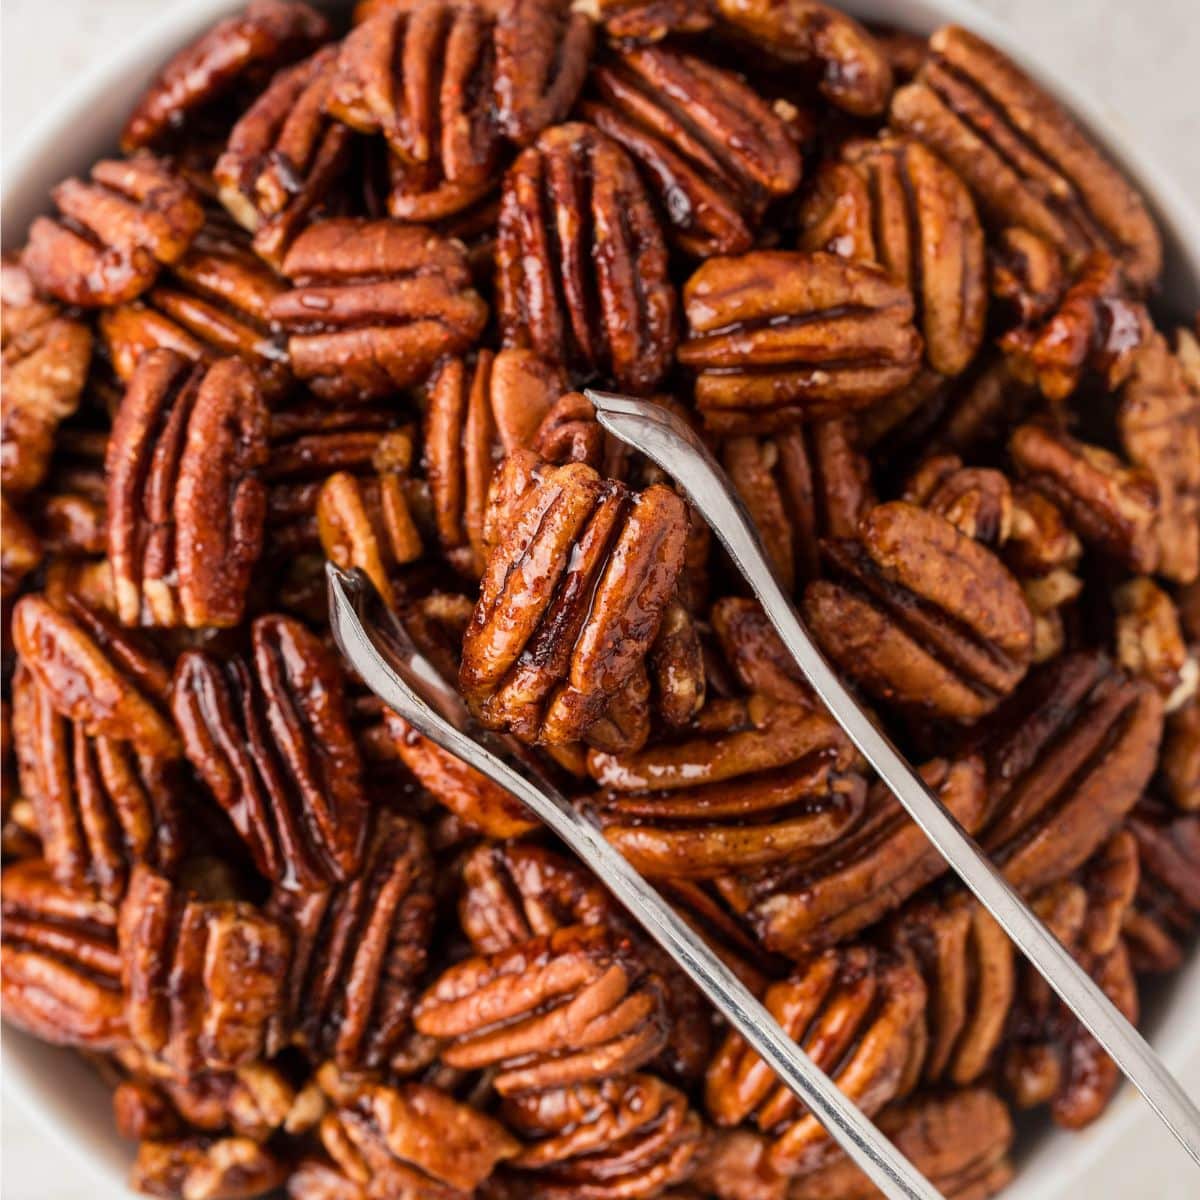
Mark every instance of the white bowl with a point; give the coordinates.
(55, 1086)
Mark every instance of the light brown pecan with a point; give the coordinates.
(1027, 275)
(360, 948)
(1024, 157)
(199, 1168)
(858, 1013)
(851, 69)
(1113, 507)
(374, 305)
(750, 784)
(186, 504)
(571, 601)
(581, 266)
(576, 1006)
(284, 157)
(61, 968)
(713, 150)
(272, 741)
(913, 216)
(779, 335)
(621, 1139)
(112, 235)
(910, 617)
(1163, 915)
(96, 674)
(800, 485)
(21, 551)
(1149, 640)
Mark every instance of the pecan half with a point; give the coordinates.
(910, 616)
(1024, 157)
(755, 653)
(186, 505)
(273, 743)
(778, 336)
(710, 147)
(581, 266)
(374, 305)
(112, 235)
(648, 20)
(1027, 275)
(198, 1168)
(1165, 909)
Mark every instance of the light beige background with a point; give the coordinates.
(1141, 58)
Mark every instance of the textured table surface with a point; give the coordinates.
(1140, 59)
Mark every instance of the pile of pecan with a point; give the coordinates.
(334, 296)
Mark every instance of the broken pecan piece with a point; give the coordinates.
(778, 336)
(1149, 640)
(199, 1168)
(1027, 275)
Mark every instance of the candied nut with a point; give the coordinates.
(623, 1138)
(851, 68)
(1026, 274)
(186, 505)
(977, 501)
(733, 1165)
(913, 216)
(95, 674)
(374, 305)
(921, 615)
(198, 1168)
(573, 1007)
(569, 432)
(1179, 764)
(101, 805)
(648, 20)
(1149, 641)
(112, 234)
(45, 364)
(313, 1179)
(710, 147)
(283, 157)
(267, 35)
(360, 949)
(1164, 913)
(676, 667)
(272, 741)
(571, 601)
(800, 485)
(61, 976)
(581, 266)
(778, 336)
(857, 1013)
(71, 512)
(755, 653)
(20, 552)
(205, 980)
(754, 783)
(140, 1111)
(1111, 506)
(1023, 156)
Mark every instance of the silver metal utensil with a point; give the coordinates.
(378, 647)
(674, 446)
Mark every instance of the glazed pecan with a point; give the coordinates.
(359, 949)
(851, 69)
(283, 157)
(205, 980)
(677, 672)
(61, 968)
(1149, 640)
(571, 601)
(779, 335)
(374, 305)
(20, 553)
(910, 617)
(648, 20)
(1023, 156)
(913, 216)
(858, 1013)
(1112, 507)
(316, 1179)
(755, 653)
(750, 784)
(113, 234)
(581, 266)
(1164, 912)
(1027, 275)
(71, 514)
(199, 1168)
(95, 674)
(573, 1007)
(711, 148)
(272, 741)
(624, 1139)
(185, 502)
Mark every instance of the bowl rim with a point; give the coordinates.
(67, 1114)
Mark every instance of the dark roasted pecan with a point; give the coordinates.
(858, 1013)
(921, 615)
(61, 976)
(374, 305)
(1027, 275)
(914, 217)
(272, 741)
(112, 234)
(781, 335)
(712, 149)
(581, 266)
(576, 1006)
(185, 502)
(198, 1168)
(1024, 157)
